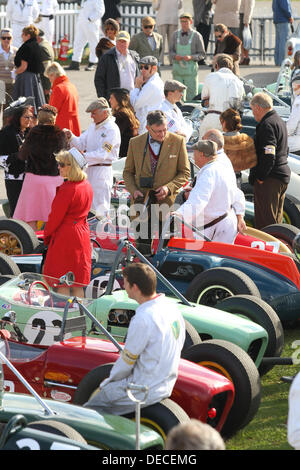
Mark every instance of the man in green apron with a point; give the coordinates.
(187, 49)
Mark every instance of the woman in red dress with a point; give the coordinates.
(67, 233)
(64, 97)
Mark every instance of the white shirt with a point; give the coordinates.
(213, 194)
(127, 70)
(22, 14)
(239, 201)
(101, 143)
(91, 10)
(222, 88)
(152, 349)
(293, 123)
(176, 121)
(146, 99)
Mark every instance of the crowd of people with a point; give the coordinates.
(56, 173)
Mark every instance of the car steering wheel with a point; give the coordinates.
(41, 283)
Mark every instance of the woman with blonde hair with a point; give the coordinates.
(67, 234)
(64, 97)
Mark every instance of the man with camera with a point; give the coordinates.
(156, 167)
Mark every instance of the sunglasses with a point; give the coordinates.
(149, 26)
(62, 165)
(146, 67)
(6, 38)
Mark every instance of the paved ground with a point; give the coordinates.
(84, 82)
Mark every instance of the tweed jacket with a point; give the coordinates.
(173, 168)
(140, 44)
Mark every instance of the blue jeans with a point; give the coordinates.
(282, 34)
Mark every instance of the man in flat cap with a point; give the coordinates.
(187, 49)
(293, 123)
(209, 205)
(176, 123)
(148, 91)
(7, 65)
(117, 68)
(147, 42)
(100, 144)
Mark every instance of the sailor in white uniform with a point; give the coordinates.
(209, 206)
(100, 144)
(173, 90)
(148, 92)
(152, 349)
(21, 13)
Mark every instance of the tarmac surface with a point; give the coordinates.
(84, 81)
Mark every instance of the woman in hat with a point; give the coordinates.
(19, 115)
(29, 66)
(67, 234)
(125, 117)
(111, 28)
(42, 175)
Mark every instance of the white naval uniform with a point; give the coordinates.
(21, 15)
(150, 357)
(221, 88)
(146, 99)
(101, 144)
(293, 126)
(175, 119)
(214, 194)
(88, 27)
(48, 8)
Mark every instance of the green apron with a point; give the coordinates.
(186, 72)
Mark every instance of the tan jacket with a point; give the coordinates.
(227, 12)
(173, 168)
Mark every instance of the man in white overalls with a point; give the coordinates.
(187, 49)
(21, 13)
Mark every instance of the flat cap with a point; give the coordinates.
(149, 60)
(100, 103)
(186, 15)
(208, 147)
(123, 35)
(173, 85)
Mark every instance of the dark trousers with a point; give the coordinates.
(268, 202)
(13, 189)
(204, 30)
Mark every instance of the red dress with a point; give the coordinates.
(64, 97)
(67, 233)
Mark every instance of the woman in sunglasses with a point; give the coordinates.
(228, 43)
(67, 234)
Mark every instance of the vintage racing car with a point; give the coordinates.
(70, 369)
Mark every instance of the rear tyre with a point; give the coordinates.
(191, 336)
(17, 237)
(258, 311)
(215, 284)
(58, 428)
(233, 362)
(8, 266)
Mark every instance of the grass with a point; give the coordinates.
(268, 430)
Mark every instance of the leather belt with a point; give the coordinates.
(215, 221)
(101, 164)
(211, 111)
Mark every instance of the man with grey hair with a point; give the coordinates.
(221, 90)
(210, 203)
(271, 176)
(194, 435)
(156, 168)
(100, 144)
